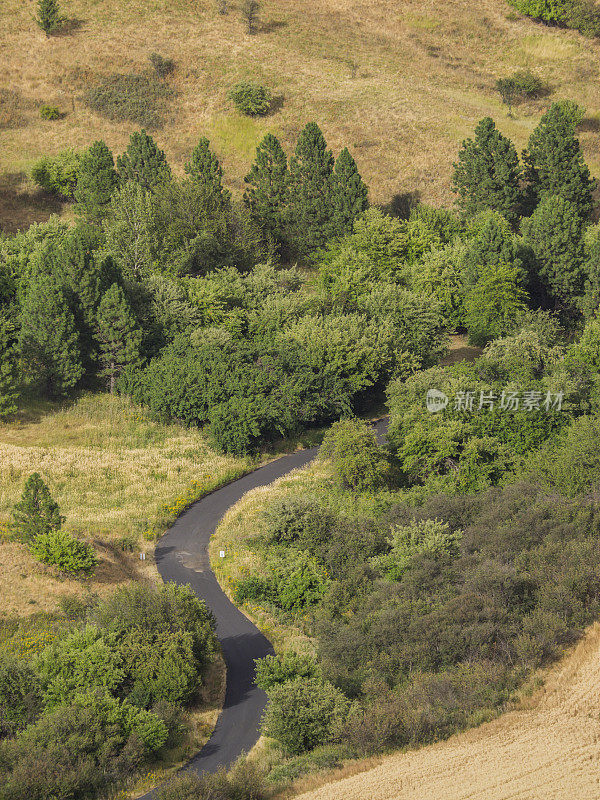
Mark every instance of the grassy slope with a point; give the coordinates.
(112, 470)
(400, 82)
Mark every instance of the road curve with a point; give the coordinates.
(182, 556)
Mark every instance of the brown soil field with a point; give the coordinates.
(549, 749)
(400, 82)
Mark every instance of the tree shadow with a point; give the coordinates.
(276, 105)
(589, 125)
(402, 204)
(69, 26)
(19, 207)
(271, 27)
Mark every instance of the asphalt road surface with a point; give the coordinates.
(182, 557)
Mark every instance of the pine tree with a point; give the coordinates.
(555, 234)
(350, 193)
(266, 195)
(204, 168)
(494, 244)
(487, 173)
(48, 16)
(48, 338)
(9, 377)
(36, 513)
(554, 163)
(96, 181)
(119, 336)
(312, 215)
(250, 9)
(144, 163)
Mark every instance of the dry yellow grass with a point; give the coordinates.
(548, 750)
(400, 82)
(112, 470)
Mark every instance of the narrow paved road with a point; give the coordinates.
(182, 557)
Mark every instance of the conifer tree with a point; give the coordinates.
(494, 244)
(250, 10)
(96, 181)
(9, 379)
(312, 213)
(350, 193)
(119, 336)
(266, 195)
(144, 163)
(36, 513)
(554, 163)
(205, 170)
(48, 16)
(555, 234)
(487, 173)
(48, 338)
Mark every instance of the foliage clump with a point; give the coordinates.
(138, 98)
(251, 99)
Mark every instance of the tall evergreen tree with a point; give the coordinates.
(312, 218)
(494, 244)
(37, 512)
(554, 163)
(48, 16)
(487, 173)
(119, 336)
(48, 338)
(205, 169)
(9, 376)
(555, 234)
(96, 181)
(350, 193)
(144, 163)
(266, 195)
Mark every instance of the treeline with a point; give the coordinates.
(170, 291)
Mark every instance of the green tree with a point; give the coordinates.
(96, 181)
(493, 303)
(266, 195)
(9, 373)
(144, 163)
(357, 459)
(133, 231)
(61, 549)
(36, 512)
(350, 193)
(48, 338)
(312, 214)
(205, 170)
(118, 334)
(555, 234)
(274, 670)
(431, 536)
(304, 713)
(48, 16)
(487, 173)
(554, 163)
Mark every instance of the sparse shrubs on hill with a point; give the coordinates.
(251, 99)
(139, 98)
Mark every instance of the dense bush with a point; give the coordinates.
(57, 174)
(61, 549)
(274, 670)
(49, 112)
(357, 460)
(304, 713)
(141, 99)
(20, 696)
(583, 15)
(245, 781)
(251, 99)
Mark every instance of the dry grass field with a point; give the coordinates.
(547, 750)
(401, 82)
(114, 473)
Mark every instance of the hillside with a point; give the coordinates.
(548, 750)
(397, 82)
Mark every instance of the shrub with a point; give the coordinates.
(583, 15)
(49, 112)
(82, 662)
(244, 781)
(61, 549)
(297, 519)
(522, 85)
(251, 99)
(161, 65)
(57, 174)
(304, 713)
(273, 670)
(48, 16)
(358, 461)
(253, 587)
(20, 696)
(430, 536)
(133, 98)
(36, 512)
(299, 581)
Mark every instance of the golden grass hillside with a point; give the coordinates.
(115, 473)
(401, 82)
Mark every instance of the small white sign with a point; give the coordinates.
(222, 553)
(142, 556)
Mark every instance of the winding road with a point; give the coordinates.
(182, 557)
